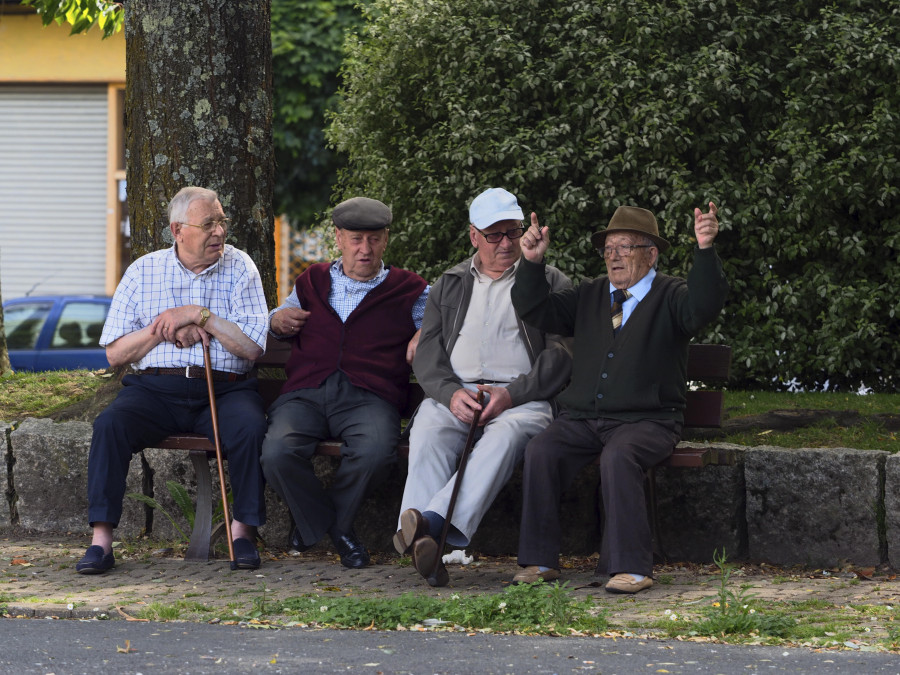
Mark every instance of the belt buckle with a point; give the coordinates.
(187, 373)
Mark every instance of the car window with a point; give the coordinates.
(79, 326)
(23, 324)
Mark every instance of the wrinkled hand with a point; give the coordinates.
(170, 321)
(289, 321)
(706, 227)
(463, 405)
(188, 336)
(498, 401)
(535, 241)
(412, 346)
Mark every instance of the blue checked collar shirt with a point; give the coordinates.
(347, 293)
(231, 288)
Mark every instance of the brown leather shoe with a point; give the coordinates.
(412, 526)
(625, 583)
(532, 574)
(427, 560)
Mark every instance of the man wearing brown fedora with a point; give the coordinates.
(626, 398)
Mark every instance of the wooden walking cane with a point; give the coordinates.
(207, 362)
(461, 469)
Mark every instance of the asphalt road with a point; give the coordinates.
(72, 647)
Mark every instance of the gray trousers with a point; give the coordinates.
(437, 439)
(369, 427)
(554, 458)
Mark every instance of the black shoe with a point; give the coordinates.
(353, 554)
(246, 557)
(296, 542)
(95, 561)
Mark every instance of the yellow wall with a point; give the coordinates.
(29, 52)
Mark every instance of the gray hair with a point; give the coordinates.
(180, 203)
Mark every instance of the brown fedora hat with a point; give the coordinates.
(631, 219)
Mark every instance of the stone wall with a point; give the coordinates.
(818, 507)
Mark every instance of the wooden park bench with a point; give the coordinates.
(706, 363)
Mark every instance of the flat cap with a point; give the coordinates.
(361, 213)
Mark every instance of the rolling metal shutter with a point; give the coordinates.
(53, 143)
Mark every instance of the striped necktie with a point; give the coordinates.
(619, 298)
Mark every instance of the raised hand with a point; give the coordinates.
(535, 241)
(706, 227)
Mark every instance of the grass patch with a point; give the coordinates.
(26, 394)
(527, 608)
(180, 609)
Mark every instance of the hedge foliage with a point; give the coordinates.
(785, 113)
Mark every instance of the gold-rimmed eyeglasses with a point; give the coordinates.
(211, 225)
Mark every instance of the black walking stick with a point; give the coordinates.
(463, 460)
(207, 362)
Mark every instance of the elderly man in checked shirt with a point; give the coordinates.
(168, 305)
(347, 376)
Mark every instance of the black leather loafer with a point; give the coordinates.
(95, 561)
(246, 557)
(353, 554)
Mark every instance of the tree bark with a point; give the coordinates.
(199, 112)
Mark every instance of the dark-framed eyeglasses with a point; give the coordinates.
(497, 237)
(622, 250)
(211, 225)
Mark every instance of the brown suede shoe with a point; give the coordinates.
(625, 583)
(533, 573)
(427, 560)
(412, 526)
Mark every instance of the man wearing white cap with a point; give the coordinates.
(627, 396)
(471, 340)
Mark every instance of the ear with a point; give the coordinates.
(176, 228)
(473, 235)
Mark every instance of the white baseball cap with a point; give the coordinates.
(492, 206)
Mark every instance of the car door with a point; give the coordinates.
(24, 323)
(73, 342)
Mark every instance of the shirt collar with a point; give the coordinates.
(475, 269)
(338, 266)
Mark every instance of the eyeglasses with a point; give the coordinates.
(211, 225)
(497, 237)
(622, 250)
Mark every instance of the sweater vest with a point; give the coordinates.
(370, 347)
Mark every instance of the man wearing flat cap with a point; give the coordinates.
(626, 399)
(347, 376)
(472, 340)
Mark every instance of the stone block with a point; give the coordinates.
(816, 507)
(700, 511)
(49, 473)
(892, 509)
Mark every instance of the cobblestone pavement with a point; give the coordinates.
(38, 579)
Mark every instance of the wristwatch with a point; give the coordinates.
(204, 316)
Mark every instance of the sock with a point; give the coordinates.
(544, 569)
(435, 523)
(637, 577)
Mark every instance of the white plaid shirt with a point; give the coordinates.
(347, 293)
(231, 288)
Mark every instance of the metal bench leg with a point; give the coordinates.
(198, 548)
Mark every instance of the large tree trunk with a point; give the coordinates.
(199, 112)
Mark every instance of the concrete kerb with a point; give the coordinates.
(819, 507)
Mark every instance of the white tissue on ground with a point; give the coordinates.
(458, 557)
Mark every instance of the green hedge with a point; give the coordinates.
(784, 113)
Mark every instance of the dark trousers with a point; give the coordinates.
(369, 427)
(555, 456)
(151, 407)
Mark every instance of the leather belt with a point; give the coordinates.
(491, 382)
(196, 372)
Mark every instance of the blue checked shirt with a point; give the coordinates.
(347, 293)
(231, 289)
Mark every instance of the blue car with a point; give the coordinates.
(56, 332)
